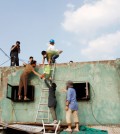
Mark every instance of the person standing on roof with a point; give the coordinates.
(15, 50)
(30, 59)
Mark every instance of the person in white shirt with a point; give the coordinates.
(51, 46)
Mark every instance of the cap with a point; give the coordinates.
(52, 41)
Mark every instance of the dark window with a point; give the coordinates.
(82, 91)
(12, 93)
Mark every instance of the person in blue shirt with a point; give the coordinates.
(71, 107)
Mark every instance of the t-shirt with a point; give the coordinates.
(51, 48)
(28, 68)
(71, 97)
(15, 51)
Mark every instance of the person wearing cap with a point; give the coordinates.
(15, 50)
(71, 107)
(51, 46)
(51, 56)
(24, 79)
(52, 52)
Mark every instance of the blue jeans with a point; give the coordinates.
(54, 57)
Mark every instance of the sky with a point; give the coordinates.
(86, 30)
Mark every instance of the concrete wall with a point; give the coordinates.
(103, 107)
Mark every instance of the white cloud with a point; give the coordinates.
(67, 43)
(71, 7)
(92, 18)
(104, 47)
(96, 25)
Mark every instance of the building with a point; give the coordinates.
(97, 85)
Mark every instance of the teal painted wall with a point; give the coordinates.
(103, 107)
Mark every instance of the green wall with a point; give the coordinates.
(102, 108)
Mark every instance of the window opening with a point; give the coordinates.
(82, 91)
(12, 93)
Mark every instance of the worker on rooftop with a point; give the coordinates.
(15, 50)
(51, 54)
(51, 46)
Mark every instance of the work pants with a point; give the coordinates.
(23, 83)
(53, 113)
(14, 61)
(70, 113)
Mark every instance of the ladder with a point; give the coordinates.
(54, 126)
(43, 110)
(53, 71)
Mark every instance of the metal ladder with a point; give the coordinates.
(43, 110)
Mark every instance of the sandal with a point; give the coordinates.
(26, 99)
(68, 130)
(76, 130)
(19, 97)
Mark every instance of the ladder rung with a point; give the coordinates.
(43, 111)
(51, 125)
(44, 97)
(45, 88)
(43, 104)
(42, 119)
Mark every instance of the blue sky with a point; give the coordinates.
(86, 30)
